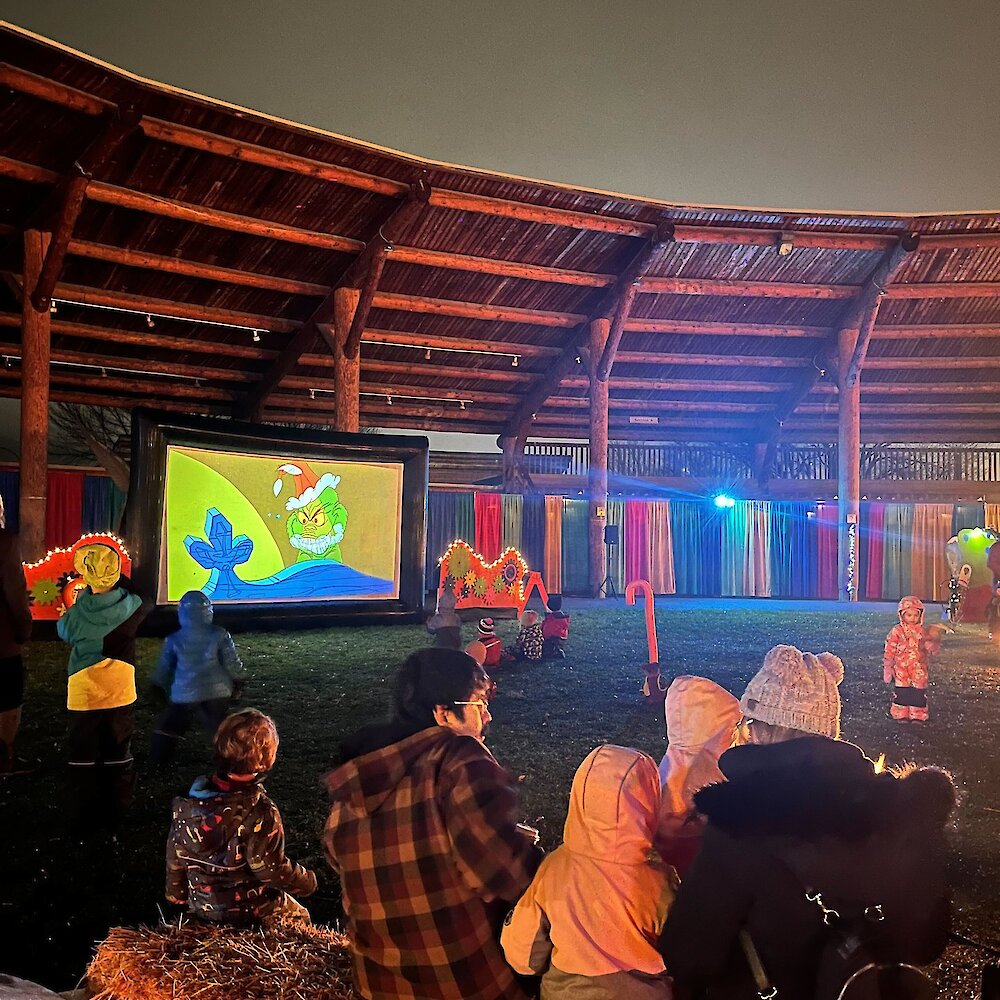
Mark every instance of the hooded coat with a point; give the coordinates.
(700, 718)
(101, 630)
(226, 853)
(199, 661)
(590, 919)
(807, 814)
(422, 832)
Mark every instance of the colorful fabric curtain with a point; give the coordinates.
(991, 517)
(636, 540)
(757, 564)
(513, 516)
(553, 545)
(615, 554)
(872, 528)
(929, 572)
(734, 549)
(896, 540)
(64, 509)
(793, 550)
(10, 490)
(695, 528)
(827, 516)
(440, 532)
(98, 501)
(489, 525)
(968, 515)
(661, 549)
(575, 547)
(465, 517)
(533, 532)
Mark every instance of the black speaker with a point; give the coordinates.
(611, 534)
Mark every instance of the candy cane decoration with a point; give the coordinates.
(647, 591)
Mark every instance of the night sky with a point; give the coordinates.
(887, 106)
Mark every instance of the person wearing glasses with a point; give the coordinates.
(423, 833)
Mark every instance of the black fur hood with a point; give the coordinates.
(815, 787)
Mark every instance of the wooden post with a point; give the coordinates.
(346, 370)
(848, 469)
(35, 349)
(598, 476)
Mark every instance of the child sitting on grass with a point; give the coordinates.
(555, 629)
(226, 850)
(444, 624)
(589, 922)
(200, 672)
(529, 642)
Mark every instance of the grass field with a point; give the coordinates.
(57, 898)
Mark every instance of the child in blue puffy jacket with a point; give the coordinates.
(201, 673)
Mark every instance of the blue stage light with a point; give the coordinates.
(721, 500)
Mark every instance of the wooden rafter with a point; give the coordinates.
(69, 195)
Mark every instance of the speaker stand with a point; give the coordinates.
(607, 584)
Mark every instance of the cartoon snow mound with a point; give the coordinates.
(316, 519)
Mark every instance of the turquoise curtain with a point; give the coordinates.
(575, 547)
(793, 551)
(440, 532)
(512, 515)
(734, 549)
(896, 545)
(465, 517)
(968, 515)
(696, 532)
(616, 553)
(533, 531)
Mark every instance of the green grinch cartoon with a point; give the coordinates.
(317, 519)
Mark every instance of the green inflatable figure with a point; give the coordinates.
(316, 519)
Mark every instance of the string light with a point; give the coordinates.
(488, 573)
(89, 538)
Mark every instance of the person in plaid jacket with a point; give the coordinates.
(423, 834)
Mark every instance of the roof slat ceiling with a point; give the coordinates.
(246, 237)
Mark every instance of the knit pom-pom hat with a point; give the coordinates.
(797, 690)
(486, 627)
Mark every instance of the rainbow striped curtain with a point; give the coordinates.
(661, 549)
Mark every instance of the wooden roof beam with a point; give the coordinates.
(626, 288)
(859, 315)
(44, 88)
(69, 196)
(367, 269)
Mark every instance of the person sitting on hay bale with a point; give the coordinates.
(423, 833)
(226, 850)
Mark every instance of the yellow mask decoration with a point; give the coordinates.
(99, 565)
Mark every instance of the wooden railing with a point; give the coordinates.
(809, 462)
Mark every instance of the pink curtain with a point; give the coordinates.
(64, 509)
(489, 524)
(636, 540)
(826, 549)
(553, 544)
(873, 551)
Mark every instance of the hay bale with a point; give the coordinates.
(290, 961)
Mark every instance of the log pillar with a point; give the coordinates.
(597, 493)
(35, 353)
(346, 371)
(848, 469)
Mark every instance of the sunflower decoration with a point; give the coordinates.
(480, 587)
(459, 560)
(499, 586)
(470, 578)
(45, 591)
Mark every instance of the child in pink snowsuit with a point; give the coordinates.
(908, 649)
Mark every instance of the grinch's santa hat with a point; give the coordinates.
(306, 486)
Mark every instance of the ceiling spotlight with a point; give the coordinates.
(785, 245)
(53, 308)
(149, 321)
(427, 354)
(388, 399)
(312, 393)
(104, 373)
(255, 336)
(515, 361)
(461, 404)
(724, 501)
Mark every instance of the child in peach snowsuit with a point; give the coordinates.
(701, 718)
(589, 921)
(908, 649)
